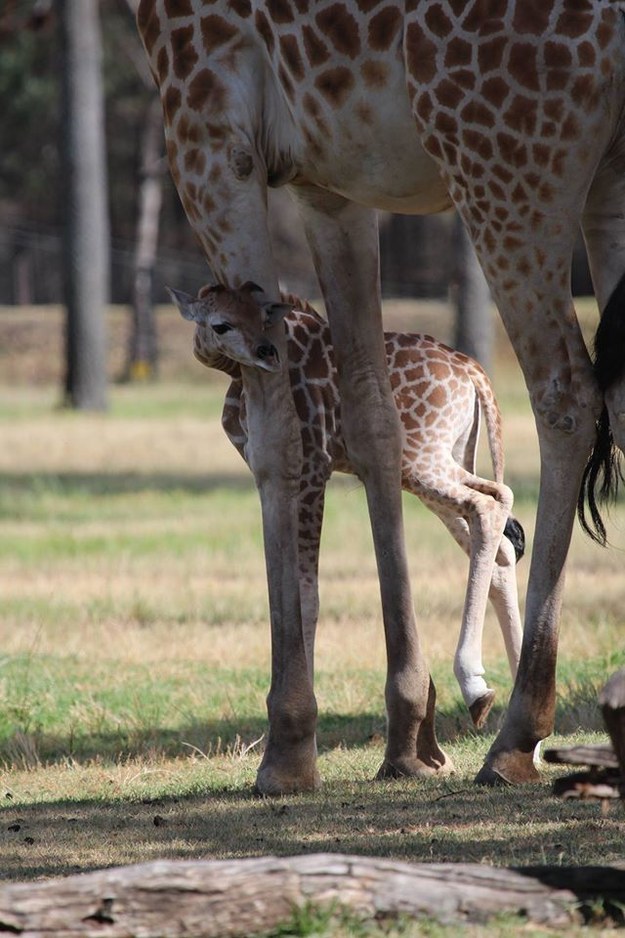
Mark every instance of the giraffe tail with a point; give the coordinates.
(492, 418)
(604, 470)
(516, 535)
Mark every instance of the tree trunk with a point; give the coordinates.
(232, 898)
(142, 361)
(474, 321)
(86, 235)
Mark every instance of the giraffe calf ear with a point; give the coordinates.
(251, 287)
(189, 307)
(274, 312)
(210, 288)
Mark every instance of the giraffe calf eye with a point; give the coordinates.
(221, 327)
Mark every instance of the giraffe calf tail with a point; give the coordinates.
(516, 535)
(604, 471)
(492, 417)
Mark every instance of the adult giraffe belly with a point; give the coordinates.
(374, 156)
(396, 177)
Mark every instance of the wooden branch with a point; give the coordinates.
(602, 756)
(603, 785)
(605, 779)
(612, 703)
(245, 897)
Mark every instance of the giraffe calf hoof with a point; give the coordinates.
(481, 707)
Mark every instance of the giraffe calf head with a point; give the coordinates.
(233, 323)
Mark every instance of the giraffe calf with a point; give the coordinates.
(439, 394)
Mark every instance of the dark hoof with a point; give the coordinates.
(415, 768)
(481, 707)
(508, 768)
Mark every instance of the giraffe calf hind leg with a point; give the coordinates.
(477, 519)
(481, 707)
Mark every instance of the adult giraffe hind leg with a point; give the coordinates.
(521, 191)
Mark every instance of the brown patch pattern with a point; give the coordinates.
(374, 73)
(340, 28)
(280, 11)
(242, 8)
(316, 50)
(183, 52)
(335, 84)
(215, 32)
(383, 28)
(148, 24)
(289, 49)
(206, 89)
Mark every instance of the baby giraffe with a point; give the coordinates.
(439, 394)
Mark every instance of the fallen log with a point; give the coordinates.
(227, 899)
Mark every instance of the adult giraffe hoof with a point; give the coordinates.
(481, 707)
(415, 768)
(270, 782)
(508, 768)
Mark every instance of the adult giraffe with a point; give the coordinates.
(511, 111)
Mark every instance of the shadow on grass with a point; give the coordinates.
(214, 813)
(443, 821)
(212, 738)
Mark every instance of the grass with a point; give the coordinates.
(134, 648)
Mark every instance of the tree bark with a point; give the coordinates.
(143, 345)
(471, 296)
(243, 897)
(86, 235)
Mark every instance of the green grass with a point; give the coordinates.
(134, 657)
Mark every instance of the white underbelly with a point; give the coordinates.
(383, 165)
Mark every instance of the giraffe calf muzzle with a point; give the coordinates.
(268, 357)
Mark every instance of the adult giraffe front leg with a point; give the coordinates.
(289, 760)
(221, 177)
(344, 241)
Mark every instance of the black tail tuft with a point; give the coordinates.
(516, 535)
(603, 471)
